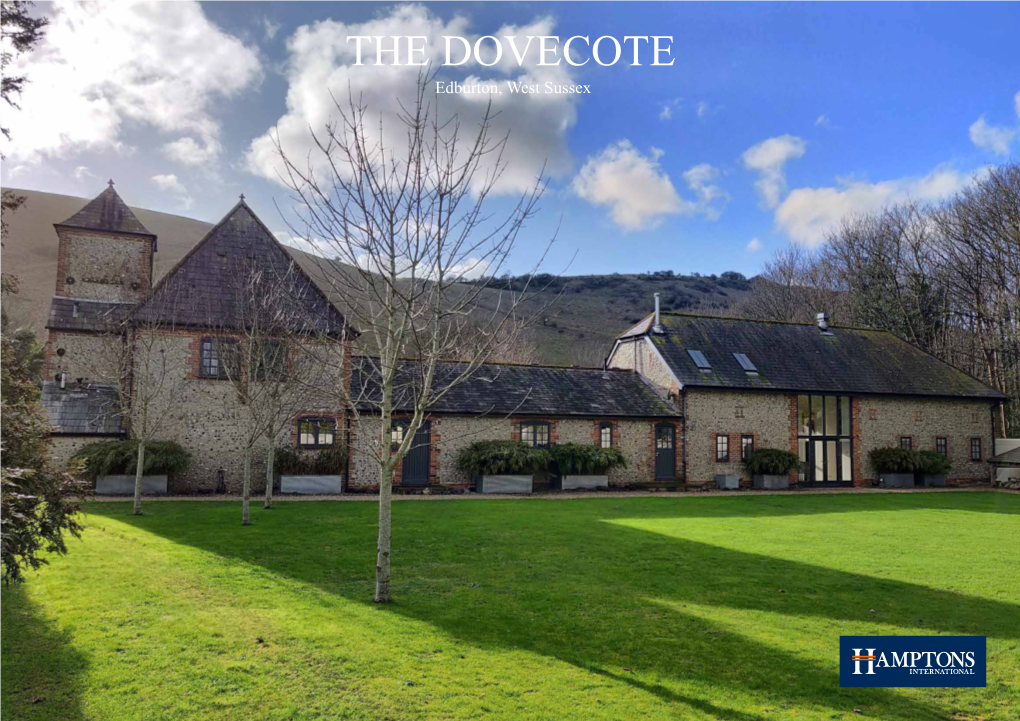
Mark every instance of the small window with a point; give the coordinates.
(535, 434)
(606, 435)
(746, 448)
(218, 358)
(397, 431)
(722, 449)
(975, 449)
(316, 432)
(906, 442)
(942, 446)
(746, 363)
(699, 359)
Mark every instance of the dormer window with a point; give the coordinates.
(700, 360)
(746, 364)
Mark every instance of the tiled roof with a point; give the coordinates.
(523, 390)
(107, 211)
(799, 357)
(1009, 458)
(94, 315)
(205, 288)
(88, 410)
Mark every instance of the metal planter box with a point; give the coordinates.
(933, 481)
(898, 480)
(571, 483)
(124, 485)
(312, 485)
(772, 483)
(505, 484)
(727, 481)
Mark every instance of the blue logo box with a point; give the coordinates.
(917, 661)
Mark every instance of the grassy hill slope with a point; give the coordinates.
(587, 311)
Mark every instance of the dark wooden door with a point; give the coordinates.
(665, 452)
(415, 470)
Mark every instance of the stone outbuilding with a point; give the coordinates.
(685, 397)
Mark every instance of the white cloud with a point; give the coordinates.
(768, 158)
(189, 151)
(270, 27)
(102, 66)
(703, 108)
(700, 179)
(808, 213)
(667, 109)
(822, 121)
(170, 184)
(992, 137)
(638, 192)
(996, 138)
(82, 172)
(321, 61)
(754, 245)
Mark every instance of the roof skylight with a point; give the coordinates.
(699, 360)
(745, 363)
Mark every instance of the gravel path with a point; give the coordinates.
(552, 496)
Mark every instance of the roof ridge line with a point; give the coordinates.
(766, 320)
(514, 364)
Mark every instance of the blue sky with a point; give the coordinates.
(774, 120)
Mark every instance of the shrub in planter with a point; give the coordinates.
(109, 458)
(581, 466)
(311, 471)
(895, 465)
(772, 462)
(580, 460)
(771, 467)
(290, 461)
(111, 465)
(490, 458)
(502, 465)
(933, 467)
(894, 460)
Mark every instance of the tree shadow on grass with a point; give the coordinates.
(558, 580)
(41, 668)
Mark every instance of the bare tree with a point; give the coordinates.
(138, 360)
(279, 374)
(258, 348)
(405, 217)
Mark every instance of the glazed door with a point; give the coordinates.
(665, 452)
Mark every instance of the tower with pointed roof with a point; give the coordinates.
(104, 268)
(105, 252)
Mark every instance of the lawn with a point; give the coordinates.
(610, 608)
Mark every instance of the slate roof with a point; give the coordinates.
(74, 410)
(204, 288)
(1009, 458)
(107, 211)
(799, 357)
(92, 315)
(500, 389)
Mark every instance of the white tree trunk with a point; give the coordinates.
(382, 563)
(138, 478)
(246, 493)
(270, 458)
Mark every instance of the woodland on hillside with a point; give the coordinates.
(943, 276)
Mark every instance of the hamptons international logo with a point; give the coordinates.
(901, 661)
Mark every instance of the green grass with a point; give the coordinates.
(638, 608)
